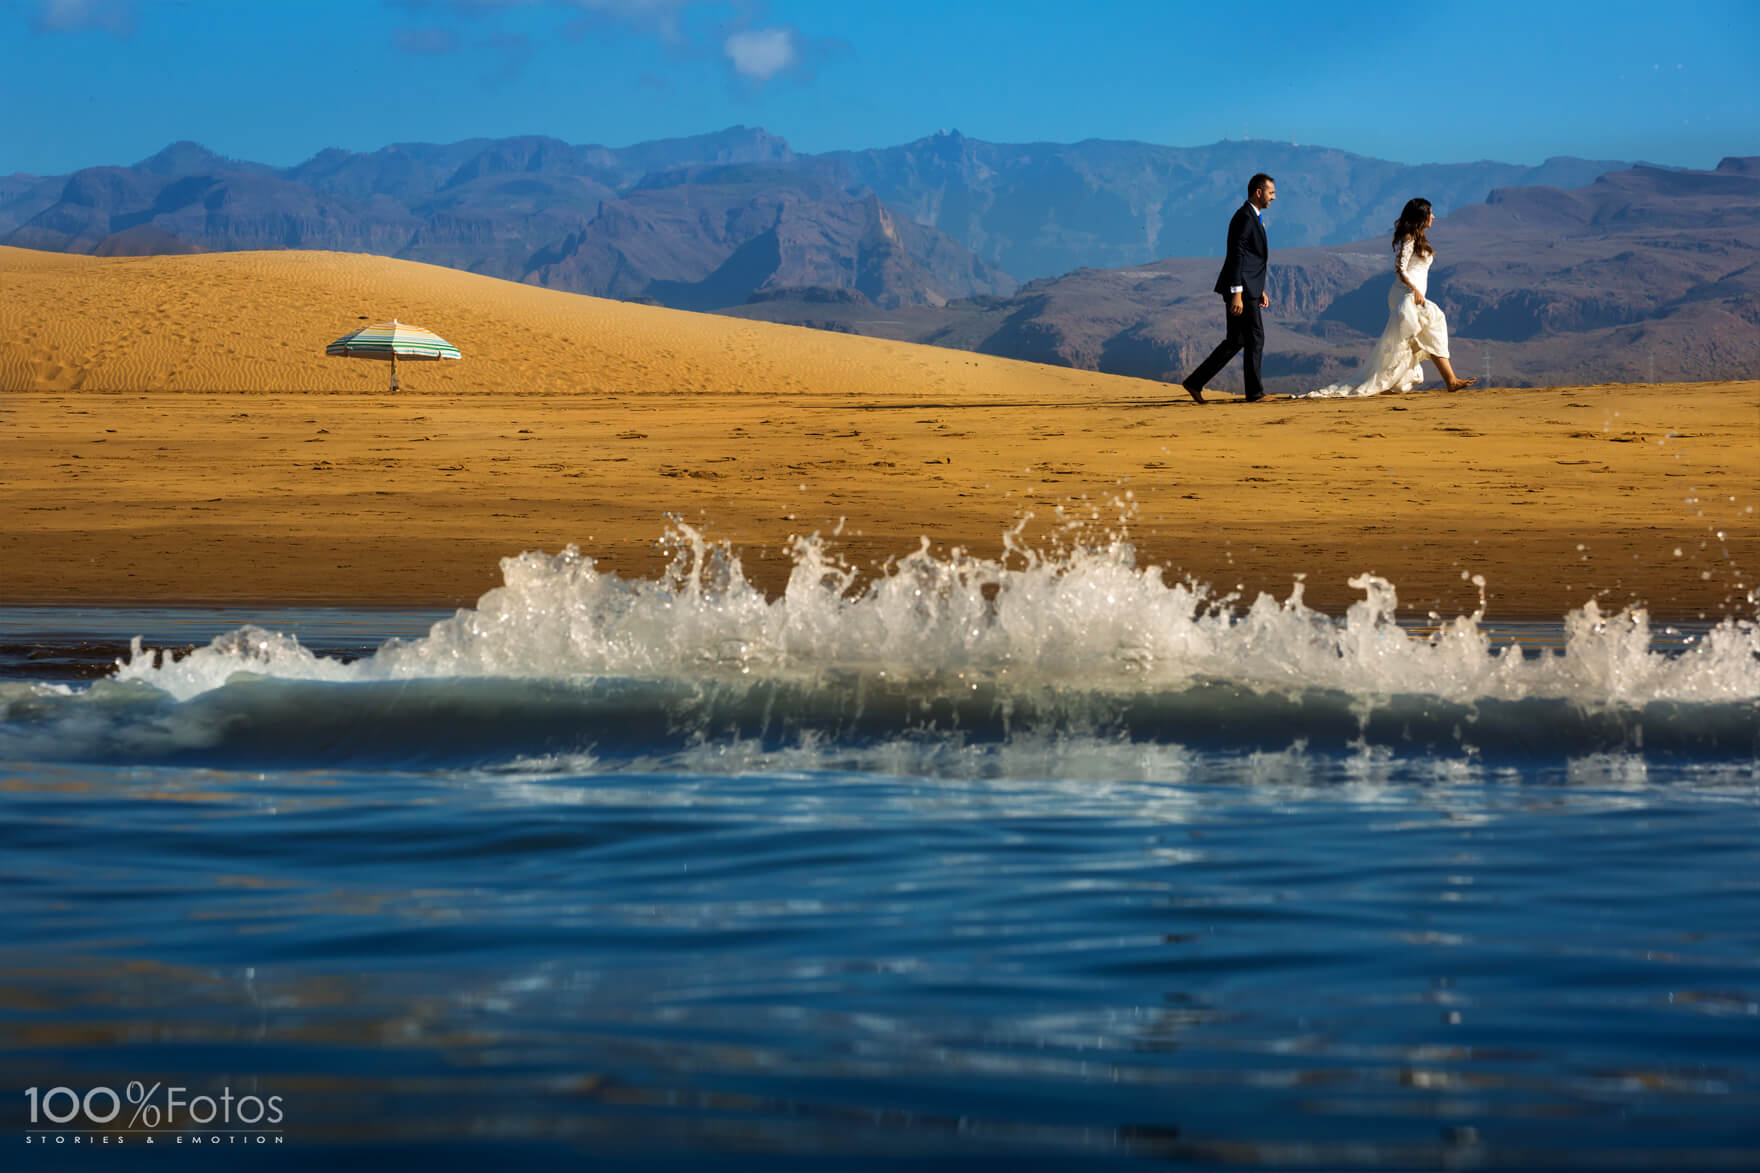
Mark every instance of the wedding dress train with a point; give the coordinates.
(1414, 333)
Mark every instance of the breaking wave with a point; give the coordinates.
(569, 663)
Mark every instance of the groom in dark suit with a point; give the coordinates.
(1242, 286)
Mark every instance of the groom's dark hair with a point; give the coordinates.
(1258, 181)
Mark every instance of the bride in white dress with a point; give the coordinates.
(1416, 328)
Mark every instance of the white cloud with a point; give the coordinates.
(756, 55)
(761, 54)
(66, 16)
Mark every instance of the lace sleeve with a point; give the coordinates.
(1402, 258)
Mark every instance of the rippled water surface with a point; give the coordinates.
(1051, 866)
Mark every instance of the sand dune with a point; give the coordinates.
(170, 430)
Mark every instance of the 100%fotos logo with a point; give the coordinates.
(101, 1106)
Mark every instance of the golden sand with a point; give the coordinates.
(171, 432)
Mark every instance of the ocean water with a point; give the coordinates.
(1039, 863)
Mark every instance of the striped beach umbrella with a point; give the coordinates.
(392, 340)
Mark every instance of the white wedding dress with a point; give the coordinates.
(1414, 333)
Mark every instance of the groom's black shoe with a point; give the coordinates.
(1254, 398)
(1197, 393)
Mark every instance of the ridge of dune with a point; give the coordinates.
(259, 321)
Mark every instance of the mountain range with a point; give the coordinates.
(1644, 274)
(668, 220)
(1574, 269)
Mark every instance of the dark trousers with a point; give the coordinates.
(1246, 334)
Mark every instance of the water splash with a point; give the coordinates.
(1087, 618)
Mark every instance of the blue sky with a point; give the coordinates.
(84, 82)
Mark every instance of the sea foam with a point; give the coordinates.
(1089, 618)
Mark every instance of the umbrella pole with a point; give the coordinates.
(394, 370)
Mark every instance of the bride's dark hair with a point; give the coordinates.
(1411, 227)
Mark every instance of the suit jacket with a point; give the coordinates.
(1247, 257)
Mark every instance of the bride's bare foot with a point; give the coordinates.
(1461, 384)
